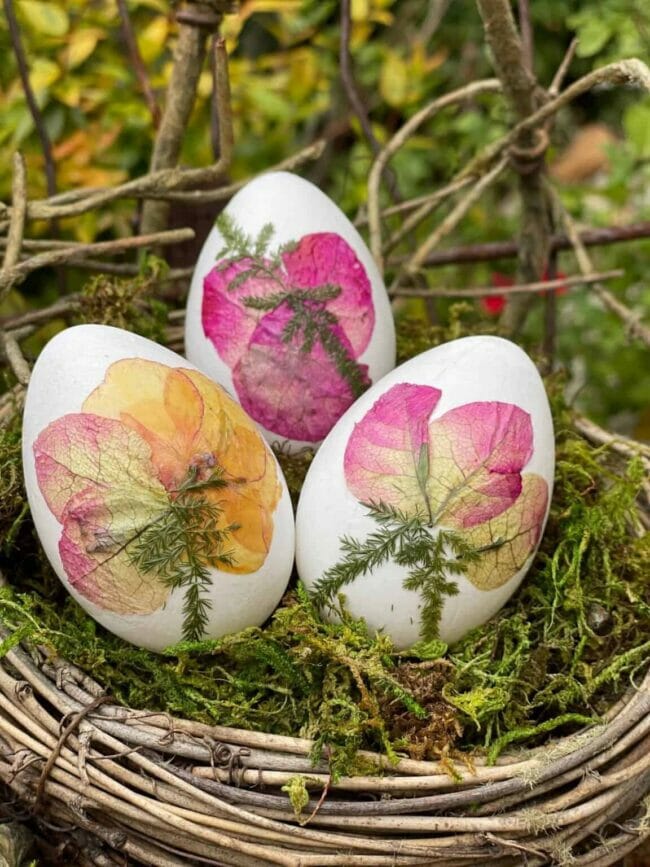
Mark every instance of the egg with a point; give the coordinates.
(157, 501)
(287, 309)
(427, 501)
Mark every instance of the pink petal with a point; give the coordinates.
(326, 258)
(227, 322)
(385, 448)
(292, 393)
(477, 453)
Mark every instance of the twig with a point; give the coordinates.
(435, 14)
(563, 68)
(55, 257)
(137, 62)
(482, 291)
(179, 101)
(12, 352)
(622, 72)
(471, 253)
(526, 30)
(18, 211)
(635, 327)
(348, 81)
(39, 123)
(550, 317)
(220, 194)
(453, 218)
(619, 443)
(490, 85)
(512, 60)
(423, 211)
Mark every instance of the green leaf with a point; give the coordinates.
(593, 35)
(637, 128)
(45, 18)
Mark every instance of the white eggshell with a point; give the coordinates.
(481, 370)
(295, 397)
(81, 361)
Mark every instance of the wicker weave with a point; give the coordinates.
(167, 791)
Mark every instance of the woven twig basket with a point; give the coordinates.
(167, 791)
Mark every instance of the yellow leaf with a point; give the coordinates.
(46, 18)
(152, 40)
(81, 45)
(43, 73)
(360, 10)
(394, 80)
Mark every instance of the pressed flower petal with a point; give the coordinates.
(97, 477)
(293, 393)
(323, 259)
(477, 453)
(510, 538)
(386, 458)
(227, 322)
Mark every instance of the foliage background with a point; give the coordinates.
(287, 90)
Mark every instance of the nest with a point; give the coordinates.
(168, 791)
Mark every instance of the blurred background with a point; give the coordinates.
(287, 91)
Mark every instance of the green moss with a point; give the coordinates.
(558, 654)
(127, 302)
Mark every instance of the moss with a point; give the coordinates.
(127, 302)
(559, 653)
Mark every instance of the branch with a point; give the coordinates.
(39, 123)
(19, 207)
(472, 253)
(347, 78)
(490, 85)
(453, 218)
(17, 273)
(430, 203)
(519, 83)
(137, 62)
(12, 352)
(634, 327)
(483, 291)
(179, 101)
(514, 68)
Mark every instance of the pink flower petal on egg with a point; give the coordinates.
(326, 258)
(477, 453)
(227, 322)
(290, 392)
(386, 458)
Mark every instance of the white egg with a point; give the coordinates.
(158, 503)
(458, 440)
(287, 309)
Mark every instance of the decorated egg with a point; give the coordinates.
(287, 309)
(426, 503)
(158, 503)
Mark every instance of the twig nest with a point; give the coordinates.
(427, 501)
(287, 309)
(158, 503)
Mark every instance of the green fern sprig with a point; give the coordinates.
(181, 545)
(408, 541)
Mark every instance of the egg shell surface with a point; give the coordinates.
(291, 385)
(463, 431)
(115, 427)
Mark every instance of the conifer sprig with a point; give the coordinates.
(408, 541)
(183, 543)
(310, 321)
